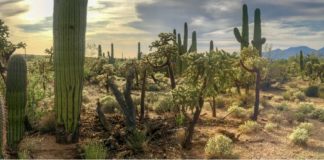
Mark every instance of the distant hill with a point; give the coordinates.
(292, 51)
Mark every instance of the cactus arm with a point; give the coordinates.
(237, 35)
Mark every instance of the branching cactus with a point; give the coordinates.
(69, 53)
(16, 98)
(244, 37)
(258, 41)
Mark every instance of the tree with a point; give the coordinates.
(50, 52)
(251, 61)
(207, 75)
(165, 50)
(7, 48)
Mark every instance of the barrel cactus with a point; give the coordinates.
(69, 29)
(16, 98)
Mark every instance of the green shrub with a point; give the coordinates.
(318, 114)
(24, 154)
(152, 97)
(137, 141)
(321, 91)
(288, 95)
(306, 108)
(245, 100)
(312, 91)
(300, 96)
(237, 111)
(109, 104)
(219, 147)
(153, 87)
(165, 105)
(282, 106)
(180, 119)
(270, 127)
(95, 150)
(299, 136)
(249, 127)
(307, 126)
(220, 102)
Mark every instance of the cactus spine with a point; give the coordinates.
(139, 53)
(69, 53)
(244, 37)
(99, 51)
(258, 41)
(16, 98)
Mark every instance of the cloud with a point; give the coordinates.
(12, 8)
(43, 25)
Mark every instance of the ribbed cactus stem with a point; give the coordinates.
(99, 51)
(69, 27)
(193, 47)
(16, 98)
(301, 61)
(112, 56)
(175, 36)
(185, 38)
(244, 37)
(211, 46)
(3, 128)
(258, 41)
(139, 53)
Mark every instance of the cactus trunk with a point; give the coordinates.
(16, 98)
(258, 41)
(139, 53)
(211, 46)
(69, 54)
(99, 51)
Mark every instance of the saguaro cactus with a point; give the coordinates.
(257, 41)
(193, 47)
(139, 53)
(244, 37)
(70, 19)
(211, 46)
(16, 98)
(111, 55)
(301, 61)
(99, 51)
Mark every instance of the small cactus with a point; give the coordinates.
(16, 98)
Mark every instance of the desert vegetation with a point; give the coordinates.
(172, 102)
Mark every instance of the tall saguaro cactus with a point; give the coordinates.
(244, 37)
(258, 41)
(70, 19)
(16, 98)
(99, 51)
(211, 46)
(193, 47)
(111, 55)
(139, 53)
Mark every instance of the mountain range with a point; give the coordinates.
(293, 51)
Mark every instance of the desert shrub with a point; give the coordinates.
(137, 141)
(94, 150)
(311, 91)
(288, 95)
(282, 106)
(24, 154)
(153, 87)
(249, 127)
(306, 108)
(321, 91)
(300, 96)
(220, 102)
(299, 136)
(136, 100)
(265, 103)
(47, 123)
(165, 105)
(219, 146)
(109, 104)
(305, 125)
(292, 85)
(180, 119)
(237, 111)
(318, 114)
(152, 97)
(245, 100)
(271, 126)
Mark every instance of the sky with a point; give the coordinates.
(285, 23)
